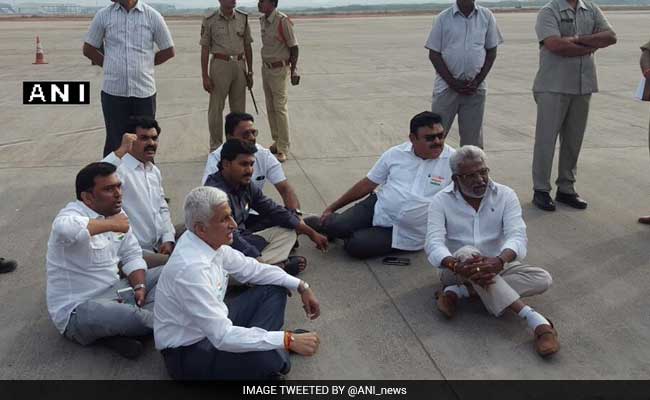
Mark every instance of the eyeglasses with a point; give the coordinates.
(250, 132)
(431, 138)
(483, 173)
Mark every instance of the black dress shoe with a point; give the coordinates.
(571, 200)
(543, 201)
(7, 265)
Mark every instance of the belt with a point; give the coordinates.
(226, 57)
(276, 64)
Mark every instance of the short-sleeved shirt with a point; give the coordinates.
(226, 34)
(277, 36)
(408, 185)
(266, 167)
(567, 75)
(463, 42)
(128, 38)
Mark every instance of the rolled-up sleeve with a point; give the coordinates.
(514, 227)
(210, 314)
(130, 254)
(435, 245)
(95, 35)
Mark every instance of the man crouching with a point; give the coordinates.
(475, 211)
(203, 337)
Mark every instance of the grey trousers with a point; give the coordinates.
(565, 115)
(515, 281)
(470, 111)
(104, 317)
(354, 226)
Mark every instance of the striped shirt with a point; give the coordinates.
(128, 39)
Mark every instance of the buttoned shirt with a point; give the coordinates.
(80, 266)
(242, 200)
(226, 34)
(462, 41)
(567, 75)
(144, 201)
(266, 167)
(128, 38)
(496, 226)
(189, 298)
(408, 185)
(277, 36)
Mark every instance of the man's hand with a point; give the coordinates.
(310, 304)
(249, 80)
(120, 223)
(207, 84)
(140, 296)
(320, 241)
(166, 248)
(481, 270)
(305, 344)
(127, 144)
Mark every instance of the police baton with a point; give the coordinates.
(254, 102)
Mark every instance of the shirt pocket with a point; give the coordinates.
(567, 25)
(218, 34)
(477, 37)
(100, 250)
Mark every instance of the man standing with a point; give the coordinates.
(85, 297)
(462, 48)
(475, 211)
(395, 217)
(128, 29)
(645, 69)
(226, 35)
(279, 61)
(272, 244)
(144, 197)
(569, 32)
(266, 169)
(200, 335)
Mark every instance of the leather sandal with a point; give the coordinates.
(546, 342)
(446, 304)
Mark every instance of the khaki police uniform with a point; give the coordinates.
(562, 91)
(225, 37)
(277, 38)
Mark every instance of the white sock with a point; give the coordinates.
(533, 318)
(459, 290)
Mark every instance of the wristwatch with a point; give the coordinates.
(139, 286)
(302, 287)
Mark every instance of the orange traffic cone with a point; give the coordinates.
(40, 56)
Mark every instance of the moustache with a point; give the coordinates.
(150, 148)
(435, 146)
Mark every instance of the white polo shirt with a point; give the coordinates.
(497, 225)
(408, 186)
(266, 168)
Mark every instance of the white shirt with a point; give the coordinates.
(266, 167)
(128, 39)
(143, 200)
(462, 41)
(189, 298)
(496, 226)
(408, 185)
(80, 266)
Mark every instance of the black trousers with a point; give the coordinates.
(117, 111)
(354, 226)
(260, 306)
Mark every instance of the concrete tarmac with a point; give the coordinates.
(362, 80)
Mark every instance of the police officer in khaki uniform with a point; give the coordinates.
(226, 35)
(645, 69)
(279, 61)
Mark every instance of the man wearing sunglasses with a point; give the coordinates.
(393, 218)
(485, 215)
(267, 168)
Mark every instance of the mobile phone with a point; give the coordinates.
(396, 261)
(126, 295)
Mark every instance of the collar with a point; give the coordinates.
(221, 14)
(564, 5)
(202, 248)
(271, 18)
(133, 163)
(138, 6)
(456, 10)
(92, 214)
(218, 177)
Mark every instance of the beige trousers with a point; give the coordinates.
(281, 241)
(228, 80)
(275, 82)
(515, 281)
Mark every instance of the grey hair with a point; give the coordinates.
(466, 252)
(200, 203)
(465, 153)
